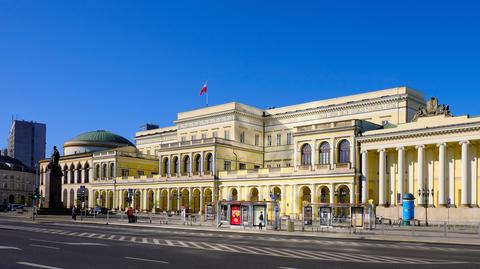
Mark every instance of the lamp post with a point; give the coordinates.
(274, 198)
(424, 194)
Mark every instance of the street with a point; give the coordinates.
(76, 245)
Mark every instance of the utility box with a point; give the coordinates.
(408, 208)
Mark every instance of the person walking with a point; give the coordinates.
(130, 214)
(260, 218)
(74, 213)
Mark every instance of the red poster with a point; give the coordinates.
(235, 218)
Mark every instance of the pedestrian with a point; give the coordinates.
(260, 218)
(74, 213)
(130, 214)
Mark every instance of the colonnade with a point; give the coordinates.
(431, 177)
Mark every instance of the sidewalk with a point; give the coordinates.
(375, 235)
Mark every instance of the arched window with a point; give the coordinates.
(87, 173)
(176, 165)
(197, 164)
(79, 173)
(324, 153)
(209, 162)
(65, 174)
(104, 171)
(306, 155)
(72, 174)
(186, 164)
(112, 171)
(166, 166)
(97, 171)
(344, 152)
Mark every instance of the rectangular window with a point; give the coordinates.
(242, 137)
(269, 140)
(226, 134)
(256, 167)
(257, 140)
(214, 134)
(289, 138)
(242, 166)
(279, 139)
(182, 139)
(227, 165)
(124, 172)
(141, 172)
(194, 137)
(204, 135)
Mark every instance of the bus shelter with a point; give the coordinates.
(242, 213)
(337, 215)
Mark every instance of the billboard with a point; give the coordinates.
(235, 215)
(259, 215)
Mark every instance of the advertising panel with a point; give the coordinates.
(235, 217)
(325, 214)
(245, 215)
(307, 214)
(259, 215)
(357, 216)
(209, 212)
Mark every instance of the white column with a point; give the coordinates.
(214, 163)
(82, 172)
(313, 193)
(169, 172)
(179, 166)
(179, 200)
(168, 198)
(420, 171)
(464, 174)
(352, 193)
(381, 177)
(202, 155)
(190, 197)
(441, 174)
(364, 177)
(145, 199)
(401, 172)
(283, 201)
(201, 199)
(314, 154)
(160, 165)
(332, 194)
(190, 167)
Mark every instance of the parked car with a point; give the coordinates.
(98, 210)
(15, 207)
(3, 207)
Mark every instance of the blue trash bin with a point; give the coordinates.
(408, 208)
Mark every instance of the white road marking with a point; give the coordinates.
(9, 247)
(169, 242)
(145, 240)
(281, 267)
(228, 248)
(156, 242)
(42, 246)
(38, 265)
(145, 260)
(70, 243)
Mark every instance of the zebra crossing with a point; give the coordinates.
(243, 249)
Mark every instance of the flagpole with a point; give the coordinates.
(207, 97)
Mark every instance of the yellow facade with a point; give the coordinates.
(345, 150)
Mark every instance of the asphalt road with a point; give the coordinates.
(59, 245)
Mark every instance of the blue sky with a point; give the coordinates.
(84, 65)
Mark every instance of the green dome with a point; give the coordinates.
(101, 136)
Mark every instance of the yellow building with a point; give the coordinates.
(376, 146)
(95, 159)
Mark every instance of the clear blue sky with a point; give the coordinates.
(86, 65)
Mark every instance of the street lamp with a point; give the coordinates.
(424, 194)
(274, 198)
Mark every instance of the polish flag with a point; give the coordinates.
(204, 88)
